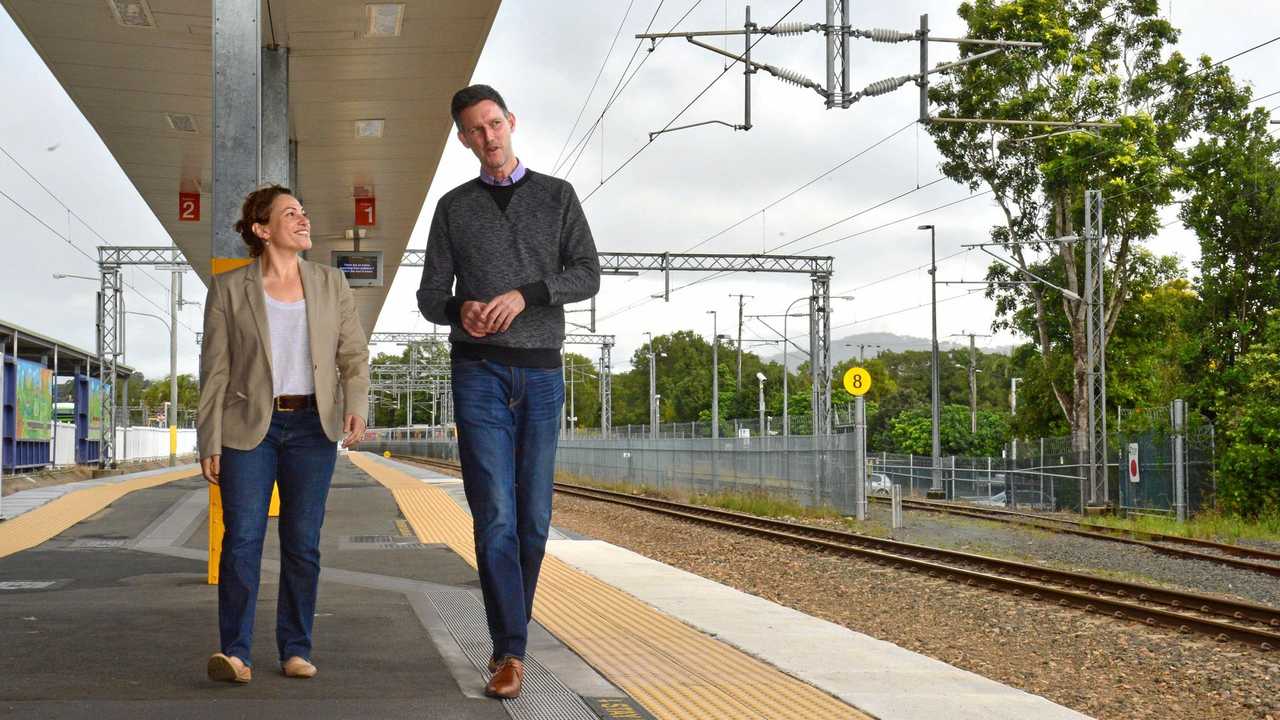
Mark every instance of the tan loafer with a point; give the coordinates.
(508, 680)
(296, 667)
(228, 668)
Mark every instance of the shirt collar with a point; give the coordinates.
(514, 178)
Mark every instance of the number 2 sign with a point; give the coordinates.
(188, 207)
(365, 213)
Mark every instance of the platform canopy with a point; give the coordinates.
(141, 71)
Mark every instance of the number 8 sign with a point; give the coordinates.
(857, 381)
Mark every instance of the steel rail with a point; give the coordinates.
(1233, 555)
(1132, 601)
(1180, 610)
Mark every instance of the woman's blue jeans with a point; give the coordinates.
(298, 456)
(508, 426)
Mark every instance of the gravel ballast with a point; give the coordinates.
(1096, 665)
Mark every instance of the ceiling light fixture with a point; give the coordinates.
(385, 19)
(182, 122)
(132, 13)
(370, 128)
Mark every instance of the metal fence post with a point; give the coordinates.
(895, 500)
(860, 457)
(1180, 459)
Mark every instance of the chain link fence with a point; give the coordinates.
(1043, 474)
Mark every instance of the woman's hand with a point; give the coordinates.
(353, 426)
(210, 467)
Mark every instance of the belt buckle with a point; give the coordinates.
(280, 407)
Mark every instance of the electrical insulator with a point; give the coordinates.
(792, 76)
(886, 35)
(788, 28)
(885, 86)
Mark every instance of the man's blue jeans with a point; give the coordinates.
(508, 425)
(298, 456)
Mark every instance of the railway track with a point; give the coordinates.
(1220, 618)
(1247, 558)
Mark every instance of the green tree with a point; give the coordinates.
(1250, 466)
(911, 432)
(1234, 208)
(1102, 59)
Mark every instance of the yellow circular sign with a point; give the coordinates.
(386, 453)
(857, 381)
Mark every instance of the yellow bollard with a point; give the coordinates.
(215, 531)
(221, 265)
(173, 440)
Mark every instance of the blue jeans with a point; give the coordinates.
(508, 425)
(298, 457)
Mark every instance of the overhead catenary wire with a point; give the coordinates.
(683, 110)
(585, 101)
(913, 215)
(619, 87)
(80, 250)
(801, 187)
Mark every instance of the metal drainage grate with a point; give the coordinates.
(543, 695)
(91, 543)
(380, 542)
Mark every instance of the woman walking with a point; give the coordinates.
(284, 375)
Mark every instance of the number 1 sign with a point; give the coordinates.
(365, 213)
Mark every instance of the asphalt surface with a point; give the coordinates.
(127, 626)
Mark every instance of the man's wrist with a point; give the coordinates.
(535, 293)
(453, 310)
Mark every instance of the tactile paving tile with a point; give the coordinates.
(543, 695)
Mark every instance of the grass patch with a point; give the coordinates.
(757, 503)
(1205, 526)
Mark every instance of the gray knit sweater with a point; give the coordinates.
(540, 244)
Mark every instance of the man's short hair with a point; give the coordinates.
(468, 96)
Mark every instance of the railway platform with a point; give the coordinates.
(105, 612)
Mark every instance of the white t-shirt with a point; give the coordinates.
(291, 371)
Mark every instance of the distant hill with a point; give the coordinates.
(847, 347)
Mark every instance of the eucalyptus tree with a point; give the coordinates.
(1102, 60)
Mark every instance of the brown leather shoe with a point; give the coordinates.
(507, 681)
(228, 668)
(296, 667)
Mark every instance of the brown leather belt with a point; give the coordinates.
(289, 403)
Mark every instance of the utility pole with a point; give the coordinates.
(741, 302)
(862, 349)
(715, 377)
(935, 487)
(1013, 413)
(973, 379)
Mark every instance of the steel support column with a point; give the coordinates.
(237, 118)
(1096, 350)
(606, 388)
(110, 347)
(276, 149)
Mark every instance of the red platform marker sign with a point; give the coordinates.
(188, 207)
(365, 212)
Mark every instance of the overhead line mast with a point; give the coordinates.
(838, 89)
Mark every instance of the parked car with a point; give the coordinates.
(878, 484)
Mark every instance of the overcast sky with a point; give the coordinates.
(682, 189)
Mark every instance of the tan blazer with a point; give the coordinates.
(235, 357)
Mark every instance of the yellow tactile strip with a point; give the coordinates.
(675, 671)
(36, 526)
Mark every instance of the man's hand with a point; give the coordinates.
(210, 468)
(353, 426)
(500, 311)
(472, 318)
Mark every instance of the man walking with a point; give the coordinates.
(517, 244)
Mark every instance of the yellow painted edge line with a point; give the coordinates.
(676, 671)
(36, 526)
